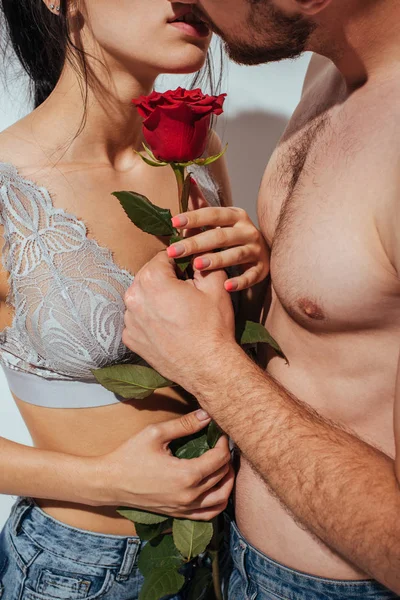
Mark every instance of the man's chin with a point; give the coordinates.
(287, 37)
(242, 54)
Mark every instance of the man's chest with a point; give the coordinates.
(317, 207)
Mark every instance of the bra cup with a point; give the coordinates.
(66, 290)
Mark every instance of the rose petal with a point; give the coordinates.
(176, 122)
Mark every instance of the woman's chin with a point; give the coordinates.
(184, 71)
(185, 67)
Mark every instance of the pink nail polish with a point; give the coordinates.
(201, 263)
(193, 181)
(171, 252)
(231, 286)
(179, 221)
(175, 250)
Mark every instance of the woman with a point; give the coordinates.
(65, 284)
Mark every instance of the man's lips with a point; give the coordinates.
(187, 21)
(185, 14)
(203, 18)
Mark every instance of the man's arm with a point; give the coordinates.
(341, 488)
(397, 423)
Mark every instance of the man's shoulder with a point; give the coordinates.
(321, 78)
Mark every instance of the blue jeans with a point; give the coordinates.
(254, 576)
(44, 559)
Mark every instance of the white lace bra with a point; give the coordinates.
(67, 294)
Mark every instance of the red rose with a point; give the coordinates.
(177, 122)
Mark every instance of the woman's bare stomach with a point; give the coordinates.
(95, 432)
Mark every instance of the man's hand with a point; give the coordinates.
(177, 326)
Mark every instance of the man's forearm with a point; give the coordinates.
(343, 490)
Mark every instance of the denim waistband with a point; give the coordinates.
(291, 584)
(103, 550)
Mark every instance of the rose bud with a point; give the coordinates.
(176, 123)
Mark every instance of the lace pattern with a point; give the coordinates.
(66, 290)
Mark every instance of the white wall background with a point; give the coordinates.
(260, 102)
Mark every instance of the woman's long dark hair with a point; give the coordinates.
(42, 42)
(39, 39)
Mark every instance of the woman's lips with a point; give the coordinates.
(196, 29)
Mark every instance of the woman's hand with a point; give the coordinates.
(142, 473)
(230, 229)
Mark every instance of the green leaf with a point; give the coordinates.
(131, 381)
(203, 162)
(144, 214)
(150, 532)
(159, 554)
(161, 583)
(255, 333)
(191, 446)
(175, 238)
(184, 164)
(201, 582)
(141, 516)
(191, 537)
(150, 162)
(184, 262)
(150, 153)
(214, 432)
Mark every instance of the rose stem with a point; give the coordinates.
(214, 552)
(180, 175)
(180, 179)
(216, 576)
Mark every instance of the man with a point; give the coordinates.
(317, 496)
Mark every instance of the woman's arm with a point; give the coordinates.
(27, 471)
(141, 473)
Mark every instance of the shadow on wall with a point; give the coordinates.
(252, 138)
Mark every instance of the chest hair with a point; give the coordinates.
(293, 167)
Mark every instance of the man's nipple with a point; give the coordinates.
(311, 309)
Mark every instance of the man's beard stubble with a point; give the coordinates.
(276, 36)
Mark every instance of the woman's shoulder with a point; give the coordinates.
(23, 174)
(20, 149)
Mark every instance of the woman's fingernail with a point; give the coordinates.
(202, 263)
(202, 415)
(179, 221)
(175, 250)
(193, 181)
(231, 286)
